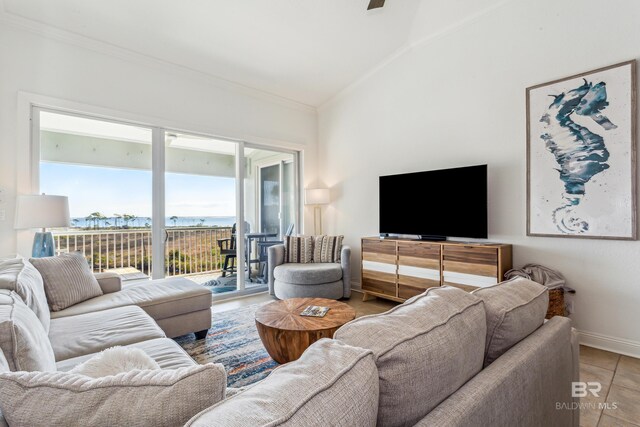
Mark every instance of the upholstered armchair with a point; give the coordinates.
(309, 280)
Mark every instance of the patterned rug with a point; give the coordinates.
(228, 284)
(233, 340)
(221, 284)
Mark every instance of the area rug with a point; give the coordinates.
(228, 284)
(233, 340)
(221, 284)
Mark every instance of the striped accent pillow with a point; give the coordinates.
(298, 249)
(68, 279)
(327, 248)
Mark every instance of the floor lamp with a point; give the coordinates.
(316, 197)
(42, 211)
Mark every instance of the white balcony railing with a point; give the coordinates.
(188, 250)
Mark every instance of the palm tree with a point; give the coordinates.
(127, 218)
(174, 219)
(101, 218)
(117, 217)
(95, 217)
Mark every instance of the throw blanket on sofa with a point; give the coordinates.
(546, 276)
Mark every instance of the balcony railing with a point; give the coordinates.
(188, 250)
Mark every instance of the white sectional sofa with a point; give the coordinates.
(143, 315)
(443, 358)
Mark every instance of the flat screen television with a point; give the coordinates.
(435, 204)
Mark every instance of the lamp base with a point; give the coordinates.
(43, 245)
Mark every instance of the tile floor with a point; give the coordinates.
(617, 406)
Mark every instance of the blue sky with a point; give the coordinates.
(110, 191)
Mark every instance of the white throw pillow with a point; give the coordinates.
(23, 340)
(115, 360)
(160, 397)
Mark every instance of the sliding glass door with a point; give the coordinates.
(150, 202)
(200, 211)
(105, 169)
(270, 200)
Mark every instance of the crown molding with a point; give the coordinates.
(451, 29)
(77, 40)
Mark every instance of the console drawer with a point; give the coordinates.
(470, 254)
(379, 282)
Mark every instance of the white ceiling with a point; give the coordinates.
(303, 50)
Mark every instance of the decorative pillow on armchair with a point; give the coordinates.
(298, 249)
(327, 248)
(68, 280)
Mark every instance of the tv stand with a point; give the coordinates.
(398, 269)
(430, 238)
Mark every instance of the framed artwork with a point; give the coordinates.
(581, 155)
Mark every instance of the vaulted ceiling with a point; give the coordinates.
(303, 50)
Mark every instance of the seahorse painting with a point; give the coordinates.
(579, 151)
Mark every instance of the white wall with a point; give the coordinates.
(86, 73)
(459, 99)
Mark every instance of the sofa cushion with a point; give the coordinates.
(164, 351)
(298, 249)
(67, 280)
(426, 349)
(308, 274)
(159, 298)
(19, 275)
(137, 398)
(109, 282)
(332, 384)
(23, 339)
(93, 332)
(515, 309)
(327, 248)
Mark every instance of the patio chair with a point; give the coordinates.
(228, 250)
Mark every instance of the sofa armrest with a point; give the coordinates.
(109, 282)
(345, 261)
(275, 257)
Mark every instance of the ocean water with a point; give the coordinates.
(181, 221)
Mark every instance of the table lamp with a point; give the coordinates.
(316, 197)
(42, 211)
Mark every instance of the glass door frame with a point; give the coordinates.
(158, 168)
(280, 163)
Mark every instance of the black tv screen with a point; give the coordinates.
(439, 203)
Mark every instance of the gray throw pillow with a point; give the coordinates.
(425, 349)
(23, 340)
(19, 275)
(68, 280)
(515, 308)
(161, 397)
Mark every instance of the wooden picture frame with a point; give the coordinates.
(581, 155)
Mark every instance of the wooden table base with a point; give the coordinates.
(286, 335)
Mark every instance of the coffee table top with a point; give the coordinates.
(285, 314)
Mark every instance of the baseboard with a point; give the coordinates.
(617, 345)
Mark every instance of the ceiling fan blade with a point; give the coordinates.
(374, 4)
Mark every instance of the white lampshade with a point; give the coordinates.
(42, 211)
(316, 196)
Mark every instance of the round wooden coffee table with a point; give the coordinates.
(286, 335)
